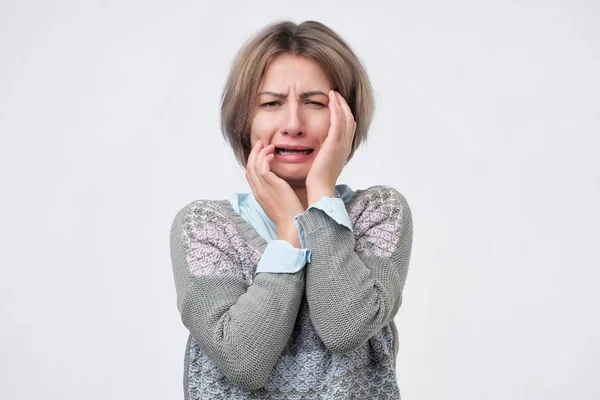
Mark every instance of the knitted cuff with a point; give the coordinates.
(313, 219)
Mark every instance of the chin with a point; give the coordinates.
(298, 176)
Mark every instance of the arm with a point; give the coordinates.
(243, 327)
(281, 257)
(354, 286)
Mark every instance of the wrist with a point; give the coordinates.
(290, 234)
(317, 192)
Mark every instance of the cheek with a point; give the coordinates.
(260, 129)
(319, 126)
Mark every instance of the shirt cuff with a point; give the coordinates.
(332, 206)
(281, 257)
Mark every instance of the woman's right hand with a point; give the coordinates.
(275, 195)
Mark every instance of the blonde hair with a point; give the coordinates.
(309, 39)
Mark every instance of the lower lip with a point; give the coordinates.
(294, 158)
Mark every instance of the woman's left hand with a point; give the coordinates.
(334, 152)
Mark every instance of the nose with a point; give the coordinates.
(293, 124)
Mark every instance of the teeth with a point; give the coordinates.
(289, 151)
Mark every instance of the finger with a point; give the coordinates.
(266, 150)
(341, 114)
(253, 152)
(252, 180)
(251, 167)
(350, 123)
(269, 178)
(334, 115)
(269, 159)
(250, 175)
(260, 155)
(346, 108)
(263, 167)
(343, 102)
(260, 172)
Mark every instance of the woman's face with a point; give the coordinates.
(292, 112)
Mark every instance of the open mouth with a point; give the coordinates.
(282, 152)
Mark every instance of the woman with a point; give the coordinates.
(291, 291)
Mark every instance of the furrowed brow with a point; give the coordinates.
(304, 95)
(273, 94)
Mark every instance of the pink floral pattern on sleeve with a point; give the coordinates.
(214, 246)
(377, 220)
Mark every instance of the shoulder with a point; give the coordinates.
(384, 201)
(200, 216)
(382, 193)
(205, 234)
(381, 220)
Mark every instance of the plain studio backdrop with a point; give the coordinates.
(487, 120)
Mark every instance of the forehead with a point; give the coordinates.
(286, 70)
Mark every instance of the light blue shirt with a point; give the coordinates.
(279, 255)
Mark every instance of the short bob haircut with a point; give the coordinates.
(309, 39)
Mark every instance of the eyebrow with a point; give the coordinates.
(302, 95)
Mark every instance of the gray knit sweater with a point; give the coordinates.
(324, 332)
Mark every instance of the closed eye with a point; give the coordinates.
(316, 103)
(271, 104)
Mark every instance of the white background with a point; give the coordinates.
(488, 121)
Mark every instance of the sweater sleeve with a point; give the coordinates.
(332, 206)
(354, 281)
(241, 322)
